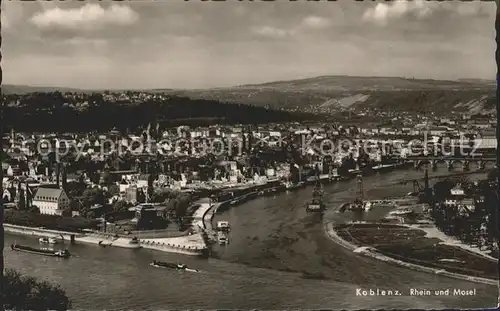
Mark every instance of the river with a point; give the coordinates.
(278, 258)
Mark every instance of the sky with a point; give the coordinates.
(199, 44)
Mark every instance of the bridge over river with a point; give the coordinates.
(278, 258)
(482, 162)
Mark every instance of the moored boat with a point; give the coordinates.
(223, 226)
(357, 206)
(402, 212)
(47, 240)
(63, 253)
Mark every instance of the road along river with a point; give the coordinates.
(278, 258)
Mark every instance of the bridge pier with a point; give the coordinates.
(450, 160)
(415, 164)
(482, 165)
(465, 166)
(434, 165)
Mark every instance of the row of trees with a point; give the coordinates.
(30, 219)
(27, 293)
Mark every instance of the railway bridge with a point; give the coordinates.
(480, 160)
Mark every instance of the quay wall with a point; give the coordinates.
(173, 248)
(372, 252)
(157, 234)
(104, 239)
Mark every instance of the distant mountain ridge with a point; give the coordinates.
(330, 94)
(325, 82)
(337, 93)
(345, 83)
(25, 89)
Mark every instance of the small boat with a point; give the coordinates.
(47, 240)
(315, 206)
(367, 206)
(402, 212)
(223, 226)
(357, 206)
(169, 265)
(63, 253)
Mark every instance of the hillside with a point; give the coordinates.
(329, 94)
(336, 93)
(52, 112)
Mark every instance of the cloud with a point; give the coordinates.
(309, 22)
(315, 22)
(270, 32)
(382, 13)
(87, 17)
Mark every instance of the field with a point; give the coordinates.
(411, 245)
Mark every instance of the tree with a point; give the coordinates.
(160, 195)
(27, 293)
(120, 205)
(93, 196)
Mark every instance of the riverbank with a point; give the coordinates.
(72, 237)
(411, 248)
(41, 232)
(255, 191)
(189, 244)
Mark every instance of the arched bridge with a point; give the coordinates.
(450, 161)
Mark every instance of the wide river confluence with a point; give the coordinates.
(278, 258)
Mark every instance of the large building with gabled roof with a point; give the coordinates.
(51, 201)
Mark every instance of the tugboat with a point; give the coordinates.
(169, 265)
(316, 205)
(63, 253)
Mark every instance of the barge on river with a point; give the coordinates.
(169, 265)
(63, 253)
